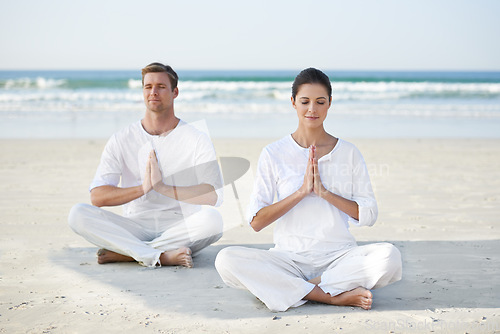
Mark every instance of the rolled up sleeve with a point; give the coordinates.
(264, 186)
(362, 194)
(207, 168)
(110, 168)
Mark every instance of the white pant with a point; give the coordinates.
(279, 278)
(146, 237)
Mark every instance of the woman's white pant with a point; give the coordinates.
(280, 279)
(146, 237)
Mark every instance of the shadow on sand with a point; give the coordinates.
(434, 275)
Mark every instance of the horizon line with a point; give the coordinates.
(253, 69)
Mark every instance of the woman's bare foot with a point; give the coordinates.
(359, 297)
(107, 256)
(177, 257)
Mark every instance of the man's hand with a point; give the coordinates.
(156, 177)
(147, 186)
(203, 194)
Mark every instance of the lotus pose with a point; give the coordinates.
(165, 174)
(321, 184)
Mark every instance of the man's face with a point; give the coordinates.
(157, 92)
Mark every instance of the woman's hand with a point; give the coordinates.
(348, 206)
(308, 185)
(312, 179)
(312, 182)
(318, 187)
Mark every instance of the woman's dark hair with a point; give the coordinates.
(311, 76)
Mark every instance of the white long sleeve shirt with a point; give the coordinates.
(313, 224)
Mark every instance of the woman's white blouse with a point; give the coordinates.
(313, 224)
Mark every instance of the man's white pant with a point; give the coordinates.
(280, 279)
(146, 237)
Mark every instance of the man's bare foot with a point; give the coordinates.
(107, 256)
(359, 297)
(177, 257)
(315, 280)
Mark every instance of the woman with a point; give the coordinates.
(322, 184)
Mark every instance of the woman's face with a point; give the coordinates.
(312, 103)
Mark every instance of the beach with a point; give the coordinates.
(438, 203)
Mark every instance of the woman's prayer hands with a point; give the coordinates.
(312, 179)
(308, 185)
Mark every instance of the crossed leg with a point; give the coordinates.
(123, 240)
(352, 275)
(358, 297)
(176, 257)
(278, 281)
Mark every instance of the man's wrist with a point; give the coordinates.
(159, 187)
(166, 190)
(143, 190)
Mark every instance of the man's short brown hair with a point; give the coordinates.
(159, 67)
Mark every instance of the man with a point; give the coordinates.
(167, 170)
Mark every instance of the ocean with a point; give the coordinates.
(247, 104)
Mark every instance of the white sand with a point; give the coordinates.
(438, 200)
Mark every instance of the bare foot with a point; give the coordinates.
(107, 256)
(315, 280)
(177, 257)
(359, 297)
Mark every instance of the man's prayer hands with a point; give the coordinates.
(153, 177)
(156, 177)
(147, 186)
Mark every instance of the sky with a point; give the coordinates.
(257, 34)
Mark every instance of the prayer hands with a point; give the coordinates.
(147, 186)
(308, 185)
(312, 179)
(156, 177)
(153, 177)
